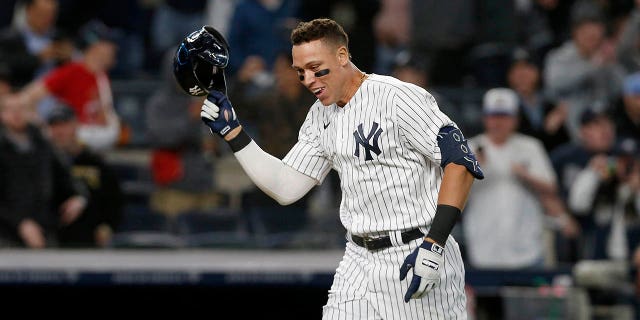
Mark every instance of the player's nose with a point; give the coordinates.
(309, 78)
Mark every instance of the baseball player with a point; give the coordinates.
(405, 172)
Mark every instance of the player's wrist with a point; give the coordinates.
(430, 240)
(233, 133)
(238, 139)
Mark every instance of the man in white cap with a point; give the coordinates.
(503, 221)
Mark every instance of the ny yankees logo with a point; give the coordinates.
(364, 141)
(195, 90)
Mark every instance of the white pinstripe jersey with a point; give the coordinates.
(383, 145)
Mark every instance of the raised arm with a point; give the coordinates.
(270, 174)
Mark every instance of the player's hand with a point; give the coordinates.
(218, 114)
(426, 261)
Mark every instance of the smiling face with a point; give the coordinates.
(313, 56)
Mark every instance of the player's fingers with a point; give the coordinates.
(207, 116)
(211, 109)
(210, 106)
(209, 112)
(412, 288)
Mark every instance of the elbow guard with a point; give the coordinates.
(454, 148)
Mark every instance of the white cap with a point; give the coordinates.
(500, 101)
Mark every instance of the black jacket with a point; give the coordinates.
(14, 55)
(105, 203)
(33, 184)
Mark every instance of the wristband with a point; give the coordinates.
(240, 141)
(443, 222)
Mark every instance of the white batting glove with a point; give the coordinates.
(426, 262)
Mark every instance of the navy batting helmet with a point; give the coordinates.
(199, 62)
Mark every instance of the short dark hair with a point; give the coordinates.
(321, 28)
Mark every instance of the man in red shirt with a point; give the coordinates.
(84, 85)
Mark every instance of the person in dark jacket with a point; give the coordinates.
(37, 193)
(539, 116)
(106, 199)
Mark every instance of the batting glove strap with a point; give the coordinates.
(218, 114)
(426, 262)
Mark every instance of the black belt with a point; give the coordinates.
(385, 241)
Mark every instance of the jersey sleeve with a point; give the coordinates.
(419, 121)
(307, 155)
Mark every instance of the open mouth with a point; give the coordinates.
(318, 91)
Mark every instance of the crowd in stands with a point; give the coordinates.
(554, 116)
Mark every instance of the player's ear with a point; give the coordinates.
(343, 55)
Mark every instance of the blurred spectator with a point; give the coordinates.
(85, 86)
(261, 29)
(542, 26)
(538, 117)
(605, 193)
(104, 208)
(503, 222)
(37, 193)
(182, 149)
(173, 20)
(597, 140)
(597, 136)
(441, 34)
(555, 13)
(219, 13)
(357, 19)
(496, 34)
(628, 48)
(392, 30)
(129, 22)
(583, 71)
(409, 69)
(33, 47)
(626, 115)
